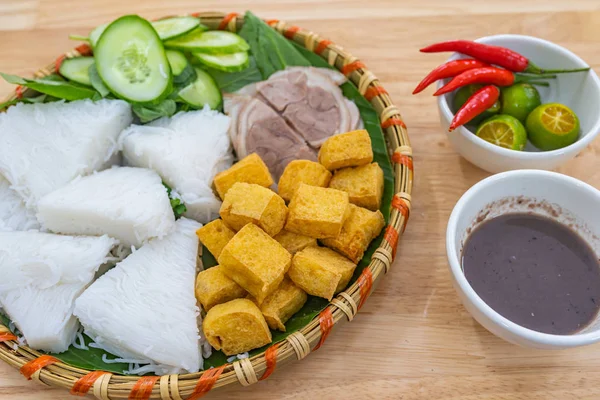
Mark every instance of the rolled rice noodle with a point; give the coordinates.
(42, 275)
(144, 310)
(45, 146)
(187, 151)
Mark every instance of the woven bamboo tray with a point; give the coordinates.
(105, 386)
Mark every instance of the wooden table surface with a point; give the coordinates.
(413, 339)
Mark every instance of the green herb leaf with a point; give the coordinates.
(187, 76)
(14, 79)
(147, 113)
(97, 82)
(178, 207)
(61, 89)
(232, 81)
(272, 51)
(28, 100)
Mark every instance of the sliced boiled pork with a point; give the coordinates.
(259, 129)
(290, 115)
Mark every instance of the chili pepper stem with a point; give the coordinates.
(531, 79)
(78, 37)
(545, 84)
(534, 69)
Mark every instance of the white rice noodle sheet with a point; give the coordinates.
(14, 216)
(42, 275)
(45, 146)
(129, 204)
(144, 309)
(187, 151)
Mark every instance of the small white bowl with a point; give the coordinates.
(579, 91)
(578, 205)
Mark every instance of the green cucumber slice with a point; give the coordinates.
(96, 33)
(202, 91)
(177, 61)
(76, 69)
(212, 42)
(131, 60)
(225, 62)
(170, 28)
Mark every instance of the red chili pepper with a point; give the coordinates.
(487, 75)
(449, 70)
(480, 101)
(501, 56)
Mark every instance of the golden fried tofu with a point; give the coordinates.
(350, 149)
(236, 327)
(255, 261)
(363, 184)
(294, 242)
(248, 203)
(214, 287)
(250, 169)
(215, 236)
(302, 171)
(320, 271)
(317, 212)
(361, 227)
(284, 302)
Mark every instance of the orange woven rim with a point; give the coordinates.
(106, 386)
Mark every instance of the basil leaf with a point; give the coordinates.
(61, 89)
(272, 51)
(147, 113)
(97, 82)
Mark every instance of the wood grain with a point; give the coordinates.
(413, 339)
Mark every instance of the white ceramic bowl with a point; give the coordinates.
(579, 91)
(578, 204)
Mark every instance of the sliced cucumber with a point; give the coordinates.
(177, 61)
(95, 34)
(202, 91)
(226, 62)
(212, 42)
(131, 60)
(76, 69)
(170, 28)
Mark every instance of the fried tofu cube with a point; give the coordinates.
(361, 227)
(250, 169)
(215, 235)
(317, 212)
(284, 302)
(294, 242)
(214, 287)
(302, 171)
(247, 203)
(363, 184)
(255, 261)
(350, 149)
(236, 327)
(320, 271)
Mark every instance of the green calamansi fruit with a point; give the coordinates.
(504, 131)
(519, 100)
(462, 95)
(552, 126)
